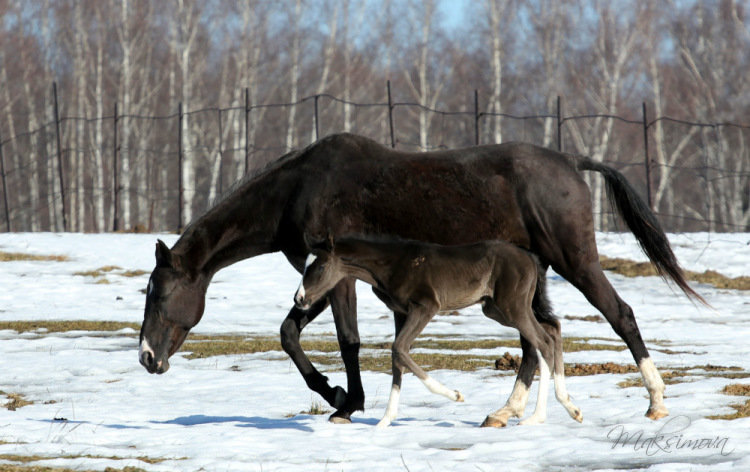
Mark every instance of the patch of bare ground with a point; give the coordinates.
(741, 410)
(630, 268)
(511, 362)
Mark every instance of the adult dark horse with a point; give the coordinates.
(528, 195)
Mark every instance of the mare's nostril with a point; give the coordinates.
(147, 359)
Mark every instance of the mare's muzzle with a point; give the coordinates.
(148, 360)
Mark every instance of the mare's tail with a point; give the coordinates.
(642, 223)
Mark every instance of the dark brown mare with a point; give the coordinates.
(528, 195)
(417, 280)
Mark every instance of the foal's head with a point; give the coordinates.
(174, 304)
(323, 270)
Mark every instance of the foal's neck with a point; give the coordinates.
(369, 261)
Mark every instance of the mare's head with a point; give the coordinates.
(323, 270)
(175, 301)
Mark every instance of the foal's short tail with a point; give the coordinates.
(540, 304)
(642, 223)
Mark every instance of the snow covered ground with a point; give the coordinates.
(96, 407)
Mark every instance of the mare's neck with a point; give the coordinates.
(242, 225)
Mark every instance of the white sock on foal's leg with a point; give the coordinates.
(392, 409)
(561, 393)
(540, 412)
(437, 388)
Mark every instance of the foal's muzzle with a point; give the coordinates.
(300, 302)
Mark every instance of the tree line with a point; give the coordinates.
(157, 98)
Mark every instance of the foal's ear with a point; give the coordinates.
(163, 254)
(329, 242)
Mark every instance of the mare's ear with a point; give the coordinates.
(163, 254)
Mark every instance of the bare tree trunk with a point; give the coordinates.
(500, 14)
(291, 140)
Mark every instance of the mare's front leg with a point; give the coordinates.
(343, 299)
(291, 329)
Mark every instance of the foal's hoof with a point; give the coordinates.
(459, 396)
(657, 413)
(340, 417)
(577, 415)
(492, 422)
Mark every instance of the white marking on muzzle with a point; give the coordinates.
(144, 348)
(300, 295)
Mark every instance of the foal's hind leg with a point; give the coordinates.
(561, 393)
(519, 397)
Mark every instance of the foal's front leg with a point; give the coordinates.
(410, 327)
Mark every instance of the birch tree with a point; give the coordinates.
(424, 78)
(614, 45)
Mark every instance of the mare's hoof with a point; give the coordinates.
(339, 397)
(340, 417)
(459, 396)
(657, 413)
(492, 422)
(578, 416)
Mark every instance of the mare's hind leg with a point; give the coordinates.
(291, 329)
(590, 280)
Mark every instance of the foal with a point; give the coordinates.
(417, 280)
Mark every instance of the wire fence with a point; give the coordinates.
(135, 172)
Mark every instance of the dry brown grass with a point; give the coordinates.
(741, 410)
(23, 463)
(66, 325)
(18, 256)
(15, 401)
(630, 268)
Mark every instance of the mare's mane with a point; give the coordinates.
(248, 178)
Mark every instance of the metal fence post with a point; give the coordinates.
(115, 179)
(559, 124)
(5, 188)
(315, 116)
(59, 158)
(221, 158)
(247, 129)
(476, 117)
(647, 159)
(390, 114)
(179, 163)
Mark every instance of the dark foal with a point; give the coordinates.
(417, 280)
